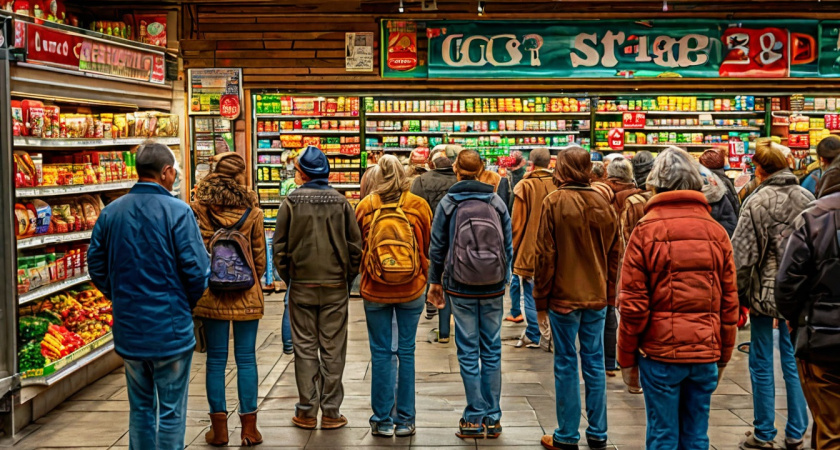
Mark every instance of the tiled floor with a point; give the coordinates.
(97, 417)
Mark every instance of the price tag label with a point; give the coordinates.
(633, 120)
(229, 106)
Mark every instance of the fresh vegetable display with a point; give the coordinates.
(60, 342)
(32, 327)
(30, 357)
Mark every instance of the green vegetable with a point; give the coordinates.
(32, 327)
(51, 316)
(30, 357)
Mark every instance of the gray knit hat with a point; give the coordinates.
(675, 170)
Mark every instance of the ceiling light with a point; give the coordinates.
(402, 9)
(664, 5)
(480, 7)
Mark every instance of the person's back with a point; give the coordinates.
(808, 295)
(146, 255)
(723, 211)
(317, 252)
(433, 185)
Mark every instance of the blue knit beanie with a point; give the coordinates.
(313, 163)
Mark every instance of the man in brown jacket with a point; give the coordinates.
(527, 206)
(577, 255)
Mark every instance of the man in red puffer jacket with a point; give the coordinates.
(678, 299)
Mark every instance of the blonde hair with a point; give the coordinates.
(390, 180)
(770, 156)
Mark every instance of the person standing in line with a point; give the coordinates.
(642, 163)
(525, 222)
(621, 182)
(317, 250)
(146, 255)
(365, 185)
(224, 202)
(634, 206)
(576, 258)
(432, 186)
(723, 211)
(469, 253)
(678, 315)
(766, 221)
(396, 227)
(714, 159)
(512, 177)
(807, 293)
(417, 164)
(827, 151)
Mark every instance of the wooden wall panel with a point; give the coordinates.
(300, 45)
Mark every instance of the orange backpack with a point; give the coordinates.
(393, 256)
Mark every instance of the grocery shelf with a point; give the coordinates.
(304, 116)
(47, 239)
(390, 149)
(513, 133)
(271, 221)
(416, 133)
(50, 191)
(346, 186)
(269, 184)
(315, 132)
(681, 113)
(72, 362)
(697, 128)
(476, 114)
(807, 112)
(30, 142)
(343, 154)
(52, 288)
(716, 144)
(270, 165)
(272, 203)
(274, 150)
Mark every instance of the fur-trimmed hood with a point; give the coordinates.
(217, 190)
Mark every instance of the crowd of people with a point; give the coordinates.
(644, 265)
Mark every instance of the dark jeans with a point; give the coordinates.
(677, 400)
(445, 317)
(245, 353)
(286, 326)
(157, 400)
(610, 327)
(319, 332)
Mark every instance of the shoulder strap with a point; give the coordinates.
(242, 220)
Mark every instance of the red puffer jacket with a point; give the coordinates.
(678, 293)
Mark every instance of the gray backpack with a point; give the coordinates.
(477, 254)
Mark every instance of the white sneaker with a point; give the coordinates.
(526, 342)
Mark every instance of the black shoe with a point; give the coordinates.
(596, 444)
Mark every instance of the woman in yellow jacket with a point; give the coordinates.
(395, 228)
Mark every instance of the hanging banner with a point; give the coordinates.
(672, 48)
(215, 92)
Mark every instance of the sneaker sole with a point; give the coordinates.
(381, 434)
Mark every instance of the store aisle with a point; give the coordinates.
(97, 417)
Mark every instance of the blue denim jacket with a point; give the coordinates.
(443, 234)
(146, 255)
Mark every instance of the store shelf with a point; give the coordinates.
(697, 128)
(513, 133)
(72, 362)
(269, 184)
(477, 114)
(50, 191)
(400, 133)
(390, 149)
(271, 203)
(307, 132)
(52, 288)
(717, 144)
(343, 155)
(820, 113)
(681, 113)
(304, 116)
(346, 186)
(270, 165)
(48, 239)
(270, 221)
(32, 142)
(275, 150)
(346, 169)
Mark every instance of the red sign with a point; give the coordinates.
(20, 34)
(51, 46)
(402, 47)
(766, 52)
(633, 120)
(615, 139)
(115, 60)
(229, 106)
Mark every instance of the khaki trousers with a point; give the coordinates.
(319, 333)
(821, 386)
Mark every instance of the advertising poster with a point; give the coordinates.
(215, 92)
(358, 56)
(400, 55)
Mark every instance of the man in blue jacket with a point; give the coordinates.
(470, 253)
(146, 255)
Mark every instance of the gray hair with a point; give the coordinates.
(540, 157)
(675, 170)
(152, 158)
(622, 169)
(597, 169)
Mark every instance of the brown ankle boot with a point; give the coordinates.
(218, 434)
(250, 435)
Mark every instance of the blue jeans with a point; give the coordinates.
(532, 326)
(478, 327)
(245, 353)
(385, 367)
(445, 317)
(515, 296)
(588, 326)
(677, 401)
(763, 383)
(157, 399)
(286, 326)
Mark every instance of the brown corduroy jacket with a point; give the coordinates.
(220, 202)
(578, 247)
(525, 220)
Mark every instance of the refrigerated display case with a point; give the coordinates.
(209, 136)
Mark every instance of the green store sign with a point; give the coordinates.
(615, 49)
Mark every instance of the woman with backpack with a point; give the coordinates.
(231, 223)
(395, 228)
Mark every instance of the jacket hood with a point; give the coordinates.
(830, 181)
(617, 185)
(781, 178)
(713, 187)
(471, 189)
(537, 173)
(673, 199)
(217, 190)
